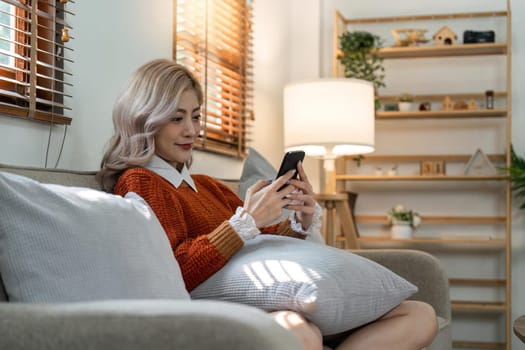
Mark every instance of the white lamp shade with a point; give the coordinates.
(329, 117)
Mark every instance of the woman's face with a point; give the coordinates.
(174, 141)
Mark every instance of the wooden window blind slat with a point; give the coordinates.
(32, 71)
(213, 38)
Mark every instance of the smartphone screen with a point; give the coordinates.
(289, 162)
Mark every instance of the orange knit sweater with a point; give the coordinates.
(196, 223)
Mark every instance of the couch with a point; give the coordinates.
(176, 324)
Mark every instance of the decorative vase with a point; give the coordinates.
(402, 230)
(405, 106)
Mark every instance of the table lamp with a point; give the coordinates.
(328, 118)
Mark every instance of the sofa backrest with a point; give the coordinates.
(67, 178)
(54, 176)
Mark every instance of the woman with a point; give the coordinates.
(157, 120)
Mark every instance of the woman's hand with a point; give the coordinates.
(303, 202)
(264, 203)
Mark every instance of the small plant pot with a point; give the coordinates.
(402, 230)
(405, 106)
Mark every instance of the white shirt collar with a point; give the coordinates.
(168, 172)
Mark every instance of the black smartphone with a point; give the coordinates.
(289, 162)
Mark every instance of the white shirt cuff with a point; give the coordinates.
(244, 224)
(315, 226)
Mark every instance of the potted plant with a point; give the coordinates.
(516, 172)
(405, 102)
(403, 222)
(359, 56)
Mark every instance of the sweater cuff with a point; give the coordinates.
(226, 240)
(285, 229)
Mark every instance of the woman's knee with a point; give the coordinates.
(424, 320)
(308, 334)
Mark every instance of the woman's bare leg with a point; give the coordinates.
(410, 326)
(308, 333)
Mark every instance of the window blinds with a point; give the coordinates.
(33, 59)
(214, 39)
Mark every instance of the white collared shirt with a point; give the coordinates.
(170, 173)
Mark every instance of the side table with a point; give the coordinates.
(337, 204)
(519, 328)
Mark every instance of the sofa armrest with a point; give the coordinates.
(420, 268)
(140, 324)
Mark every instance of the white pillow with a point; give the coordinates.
(65, 244)
(335, 289)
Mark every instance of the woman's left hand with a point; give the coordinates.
(303, 198)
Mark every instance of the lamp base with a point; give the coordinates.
(329, 175)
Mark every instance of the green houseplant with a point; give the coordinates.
(405, 97)
(516, 172)
(403, 221)
(399, 214)
(359, 56)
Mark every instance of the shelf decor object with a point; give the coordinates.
(359, 57)
(402, 230)
(445, 36)
(479, 164)
(403, 222)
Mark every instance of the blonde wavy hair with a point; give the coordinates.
(143, 107)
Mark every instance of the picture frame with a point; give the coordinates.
(479, 164)
(432, 167)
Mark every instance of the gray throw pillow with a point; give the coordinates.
(255, 168)
(333, 288)
(66, 244)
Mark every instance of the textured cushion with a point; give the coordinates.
(335, 289)
(255, 168)
(63, 244)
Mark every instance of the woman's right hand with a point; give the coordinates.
(264, 203)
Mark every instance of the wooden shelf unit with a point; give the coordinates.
(440, 97)
(420, 157)
(421, 177)
(443, 243)
(432, 219)
(454, 114)
(477, 282)
(444, 51)
(432, 244)
(478, 345)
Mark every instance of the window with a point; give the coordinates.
(213, 38)
(33, 59)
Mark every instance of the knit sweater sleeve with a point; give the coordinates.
(283, 228)
(199, 255)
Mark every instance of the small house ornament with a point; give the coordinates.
(447, 104)
(460, 104)
(472, 104)
(445, 36)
